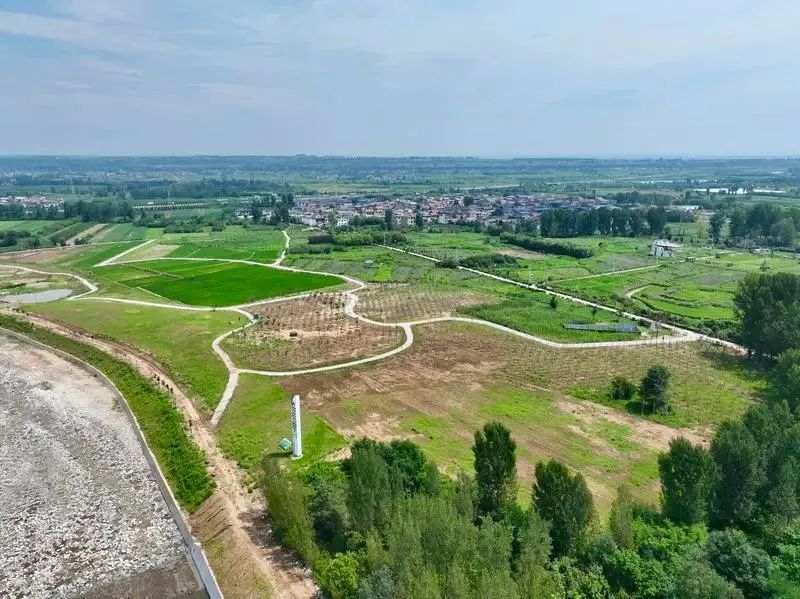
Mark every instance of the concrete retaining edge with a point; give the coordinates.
(199, 559)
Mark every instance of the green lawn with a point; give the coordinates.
(213, 283)
(259, 416)
(180, 340)
(532, 314)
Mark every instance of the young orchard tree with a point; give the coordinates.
(495, 468)
(563, 500)
(687, 473)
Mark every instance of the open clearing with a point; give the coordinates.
(76, 488)
(201, 283)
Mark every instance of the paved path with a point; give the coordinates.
(607, 274)
(633, 292)
(681, 335)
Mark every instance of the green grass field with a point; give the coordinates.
(212, 283)
(34, 227)
(531, 313)
(259, 416)
(257, 243)
(122, 232)
(180, 340)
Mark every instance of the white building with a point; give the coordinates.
(661, 248)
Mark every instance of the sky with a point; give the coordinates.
(417, 77)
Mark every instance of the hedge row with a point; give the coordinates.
(546, 247)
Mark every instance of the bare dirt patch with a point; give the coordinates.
(402, 303)
(151, 252)
(522, 254)
(80, 513)
(308, 332)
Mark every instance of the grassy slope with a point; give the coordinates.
(164, 429)
(179, 340)
(259, 416)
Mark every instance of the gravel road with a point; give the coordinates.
(80, 514)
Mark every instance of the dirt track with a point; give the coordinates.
(80, 513)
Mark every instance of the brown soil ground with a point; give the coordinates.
(522, 254)
(402, 303)
(457, 377)
(308, 332)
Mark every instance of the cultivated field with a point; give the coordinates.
(403, 302)
(212, 283)
(458, 376)
(308, 332)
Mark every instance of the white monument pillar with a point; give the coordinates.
(297, 435)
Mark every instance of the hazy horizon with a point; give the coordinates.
(348, 78)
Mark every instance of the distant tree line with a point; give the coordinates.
(763, 223)
(478, 261)
(563, 222)
(546, 247)
(369, 238)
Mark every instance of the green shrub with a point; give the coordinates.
(622, 389)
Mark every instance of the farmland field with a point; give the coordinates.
(212, 283)
(306, 333)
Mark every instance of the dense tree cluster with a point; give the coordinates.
(12, 238)
(768, 310)
(385, 523)
(762, 224)
(562, 222)
(351, 238)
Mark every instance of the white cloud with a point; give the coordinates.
(367, 76)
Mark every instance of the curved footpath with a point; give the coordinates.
(681, 335)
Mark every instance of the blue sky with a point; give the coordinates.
(422, 77)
